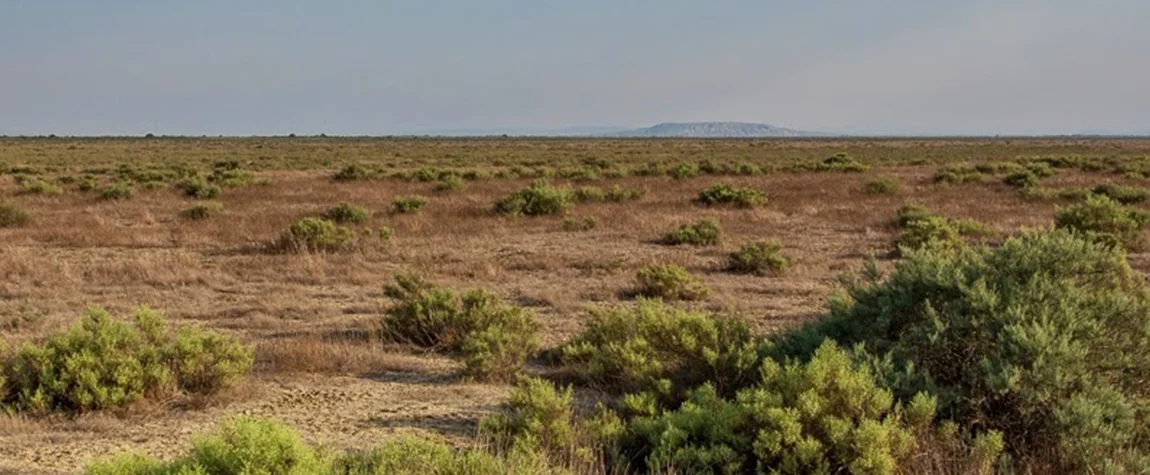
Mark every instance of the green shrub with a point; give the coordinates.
(352, 172)
(827, 415)
(620, 194)
(932, 231)
(911, 213)
(539, 198)
(37, 186)
(538, 418)
(411, 455)
(12, 216)
(959, 175)
(1122, 194)
(586, 223)
(703, 233)
(449, 182)
(841, 162)
(883, 186)
(492, 338)
(726, 194)
(1042, 338)
(427, 174)
(229, 173)
(314, 235)
(1040, 169)
(627, 348)
(992, 168)
(202, 210)
(669, 281)
(589, 194)
(200, 189)
(408, 205)
(242, 445)
(347, 213)
(1022, 179)
(685, 170)
(101, 363)
(118, 191)
(760, 257)
(1104, 220)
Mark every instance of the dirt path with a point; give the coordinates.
(337, 412)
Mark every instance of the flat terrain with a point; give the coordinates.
(312, 317)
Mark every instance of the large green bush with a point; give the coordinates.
(101, 362)
(826, 415)
(1107, 221)
(539, 198)
(1043, 338)
(492, 338)
(314, 235)
(670, 282)
(626, 348)
(761, 257)
(705, 232)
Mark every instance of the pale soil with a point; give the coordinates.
(81, 252)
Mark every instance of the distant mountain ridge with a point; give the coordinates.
(713, 129)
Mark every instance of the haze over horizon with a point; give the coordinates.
(890, 67)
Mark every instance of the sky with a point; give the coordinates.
(359, 67)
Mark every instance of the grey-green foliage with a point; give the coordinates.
(1042, 339)
(101, 362)
(826, 415)
(492, 339)
(625, 348)
(1107, 221)
(539, 198)
(705, 232)
(670, 282)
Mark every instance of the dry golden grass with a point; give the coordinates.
(310, 316)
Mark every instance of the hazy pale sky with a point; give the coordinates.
(240, 67)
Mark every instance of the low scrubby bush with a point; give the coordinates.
(256, 446)
(1122, 194)
(38, 186)
(841, 162)
(539, 198)
(352, 172)
(1105, 220)
(922, 228)
(450, 182)
(762, 257)
(652, 344)
(347, 213)
(620, 194)
(409, 205)
(492, 338)
(314, 235)
(959, 175)
(669, 281)
(101, 362)
(12, 216)
(1022, 179)
(702, 233)
(1042, 339)
(585, 223)
(539, 418)
(931, 231)
(200, 189)
(588, 194)
(727, 194)
(118, 191)
(883, 186)
(202, 210)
